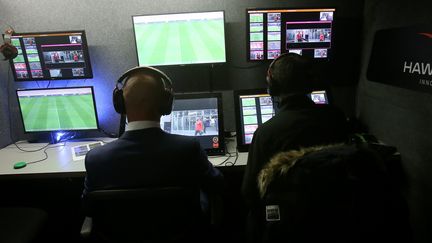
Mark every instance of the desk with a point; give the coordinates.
(60, 162)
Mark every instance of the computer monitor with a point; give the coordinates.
(254, 107)
(271, 32)
(180, 38)
(58, 109)
(198, 115)
(319, 97)
(51, 56)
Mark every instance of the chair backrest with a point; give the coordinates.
(331, 194)
(138, 215)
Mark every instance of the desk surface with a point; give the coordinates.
(60, 161)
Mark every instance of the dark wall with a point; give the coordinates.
(4, 111)
(401, 117)
(109, 32)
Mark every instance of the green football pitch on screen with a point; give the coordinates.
(180, 42)
(58, 112)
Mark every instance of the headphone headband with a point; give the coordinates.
(123, 78)
(167, 95)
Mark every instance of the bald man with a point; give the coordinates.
(145, 155)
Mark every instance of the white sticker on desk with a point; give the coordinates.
(79, 152)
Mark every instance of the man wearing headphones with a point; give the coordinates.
(298, 123)
(145, 155)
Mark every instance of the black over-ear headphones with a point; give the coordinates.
(9, 51)
(167, 93)
(274, 86)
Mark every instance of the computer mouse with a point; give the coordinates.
(19, 165)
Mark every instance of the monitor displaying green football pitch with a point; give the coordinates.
(58, 109)
(179, 39)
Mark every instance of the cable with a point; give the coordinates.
(223, 162)
(110, 135)
(30, 151)
(46, 154)
(6, 24)
(237, 156)
(46, 148)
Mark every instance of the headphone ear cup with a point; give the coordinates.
(118, 101)
(9, 51)
(273, 86)
(166, 105)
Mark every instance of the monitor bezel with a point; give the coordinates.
(247, 32)
(85, 49)
(180, 64)
(60, 130)
(242, 147)
(222, 148)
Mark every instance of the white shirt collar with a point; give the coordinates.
(138, 125)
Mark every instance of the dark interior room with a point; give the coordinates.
(372, 59)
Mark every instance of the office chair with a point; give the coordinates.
(168, 214)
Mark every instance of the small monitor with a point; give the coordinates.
(51, 56)
(271, 32)
(200, 116)
(180, 38)
(58, 109)
(319, 97)
(254, 107)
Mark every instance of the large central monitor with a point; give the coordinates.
(254, 107)
(58, 109)
(271, 32)
(180, 38)
(198, 115)
(51, 55)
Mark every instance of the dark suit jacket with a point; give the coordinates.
(150, 158)
(299, 123)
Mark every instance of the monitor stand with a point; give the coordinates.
(49, 137)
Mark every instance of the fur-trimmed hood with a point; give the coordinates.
(282, 162)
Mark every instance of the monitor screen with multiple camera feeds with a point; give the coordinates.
(271, 32)
(254, 107)
(180, 38)
(58, 109)
(50, 56)
(198, 115)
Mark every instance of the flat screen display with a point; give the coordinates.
(180, 39)
(200, 116)
(50, 56)
(271, 32)
(58, 109)
(255, 107)
(319, 97)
